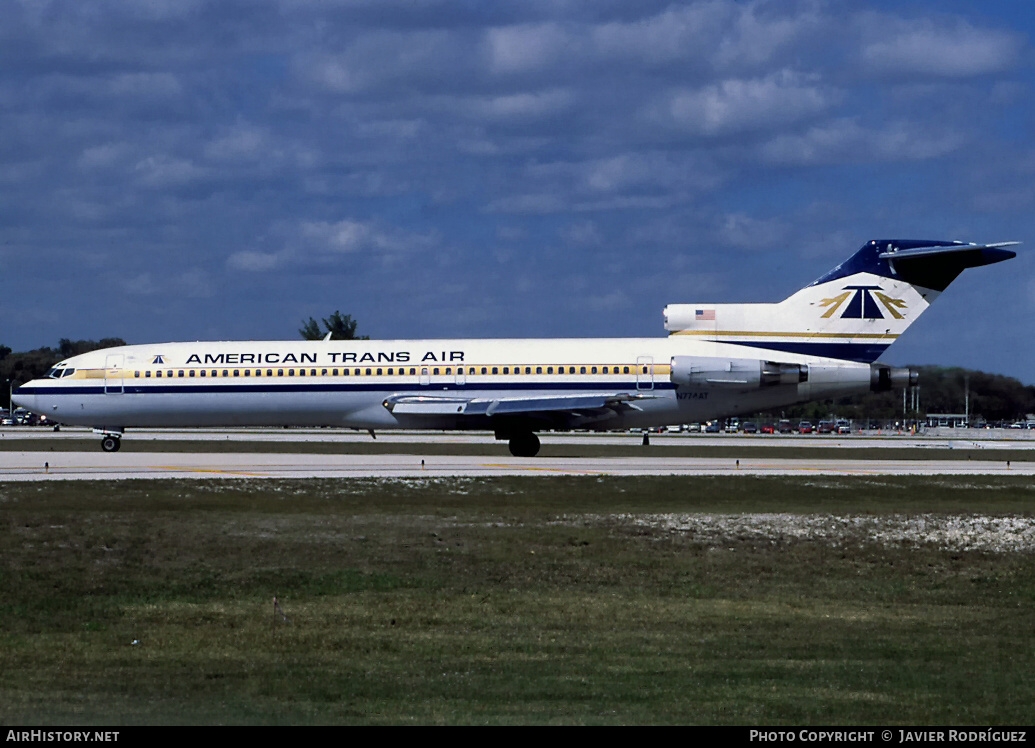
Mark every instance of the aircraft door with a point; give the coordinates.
(425, 376)
(644, 372)
(113, 374)
(461, 376)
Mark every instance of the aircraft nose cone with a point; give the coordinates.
(21, 399)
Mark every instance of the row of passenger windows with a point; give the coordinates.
(390, 371)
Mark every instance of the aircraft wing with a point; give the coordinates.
(575, 405)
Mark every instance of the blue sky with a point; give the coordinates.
(185, 169)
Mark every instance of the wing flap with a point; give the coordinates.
(575, 404)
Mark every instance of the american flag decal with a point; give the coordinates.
(704, 314)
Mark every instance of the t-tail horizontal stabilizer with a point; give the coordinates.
(854, 312)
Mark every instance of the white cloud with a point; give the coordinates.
(324, 242)
(240, 142)
(256, 262)
(739, 105)
(845, 140)
(523, 105)
(674, 34)
(758, 34)
(342, 236)
(526, 47)
(167, 171)
(105, 155)
(746, 232)
(582, 233)
(947, 48)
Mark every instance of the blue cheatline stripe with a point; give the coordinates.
(863, 353)
(387, 388)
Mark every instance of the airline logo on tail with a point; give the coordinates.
(865, 303)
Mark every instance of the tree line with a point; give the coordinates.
(992, 397)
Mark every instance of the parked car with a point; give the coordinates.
(784, 426)
(804, 427)
(844, 427)
(749, 427)
(825, 427)
(713, 427)
(767, 428)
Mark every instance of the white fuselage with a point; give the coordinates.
(348, 383)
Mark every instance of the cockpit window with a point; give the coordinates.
(68, 372)
(53, 374)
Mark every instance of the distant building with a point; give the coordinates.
(954, 420)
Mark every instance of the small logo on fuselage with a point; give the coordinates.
(159, 359)
(865, 303)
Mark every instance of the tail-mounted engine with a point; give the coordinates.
(735, 373)
(752, 373)
(884, 378)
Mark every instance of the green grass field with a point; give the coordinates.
(516, 601)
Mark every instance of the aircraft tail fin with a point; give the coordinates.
(854, 312)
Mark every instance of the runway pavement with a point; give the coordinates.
(933, 439)
(41, 466)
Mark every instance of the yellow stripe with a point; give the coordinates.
(751, 334)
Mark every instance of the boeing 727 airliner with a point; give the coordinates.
(718, 360)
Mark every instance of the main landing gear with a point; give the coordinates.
(524, 445)
(110, 440)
